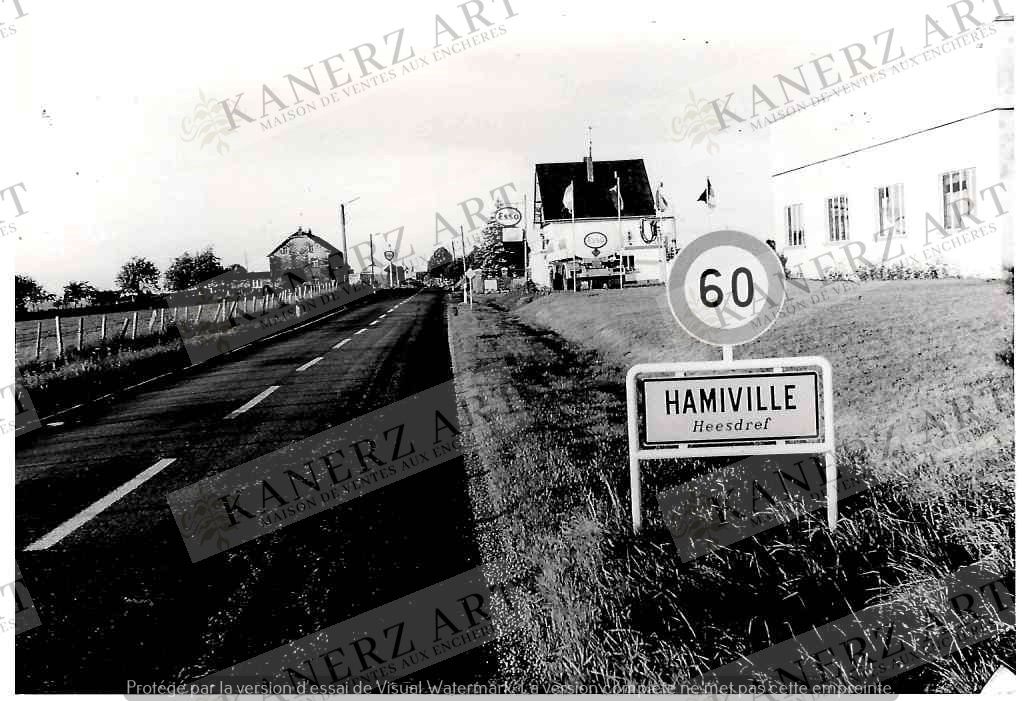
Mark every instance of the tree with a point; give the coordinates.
(79, 291)
(179, 274)
(191, 269)
(490, 253)
(138, 275)
(28, 292)
(207, 265)
(438, 261)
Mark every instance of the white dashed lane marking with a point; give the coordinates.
(75, 522)
(309, 364)
(360, 331)
(252, 402)
(338, 345)
(374, 323)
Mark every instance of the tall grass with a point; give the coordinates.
(607, 608)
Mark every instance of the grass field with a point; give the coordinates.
(916, 382)
(92, 325)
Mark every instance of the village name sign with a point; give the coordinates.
(728, 407)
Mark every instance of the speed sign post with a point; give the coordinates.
(389, 255)
(727, 288)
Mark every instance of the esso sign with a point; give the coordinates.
(508, 216)
(726, 288)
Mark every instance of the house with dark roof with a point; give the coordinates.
(307, 256)
(608, 241)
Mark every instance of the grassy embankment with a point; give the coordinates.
(551, 488)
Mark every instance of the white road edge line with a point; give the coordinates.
(252, 402)
(338, 345)
(361, 331)
(309, 364)
(75, 522)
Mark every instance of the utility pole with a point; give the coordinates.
(464, 267)
(372, 263)
(344, 243)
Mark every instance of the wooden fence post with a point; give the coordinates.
(134, 325)
(38, 338)
(198, 314)
(163, 320)
(102, 330)
(152, 320)
(60, 341)
(124, 327)
(81, 332)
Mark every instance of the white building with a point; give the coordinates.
(925, 154)
(594, 247)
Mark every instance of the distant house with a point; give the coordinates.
(599, 242)
(307, 256)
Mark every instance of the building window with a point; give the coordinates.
(890, 210)
(957, 188)
(796, 234)
(837, 217)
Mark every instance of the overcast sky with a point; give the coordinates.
(110, 172)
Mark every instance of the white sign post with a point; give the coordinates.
(469, 276)
(727, 288)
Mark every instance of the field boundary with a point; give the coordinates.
(202, 364)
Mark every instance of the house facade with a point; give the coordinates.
(598, 247)
(307, 256)
(905, 171)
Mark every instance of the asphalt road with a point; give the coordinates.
(119, 597)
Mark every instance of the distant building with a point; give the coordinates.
(907, 163)
(598, 244)
(394, 274)
(307, 256)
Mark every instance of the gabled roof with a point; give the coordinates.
(594, 199)
(309, 235)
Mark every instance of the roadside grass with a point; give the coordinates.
(603, 607)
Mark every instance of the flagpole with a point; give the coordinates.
(617, 192)
(660, 233)
(574, 241)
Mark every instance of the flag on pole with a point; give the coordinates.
(569, 198)
(708, 196)
(620, 202)
(661, 200)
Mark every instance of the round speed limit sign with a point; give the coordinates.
(726, 288)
